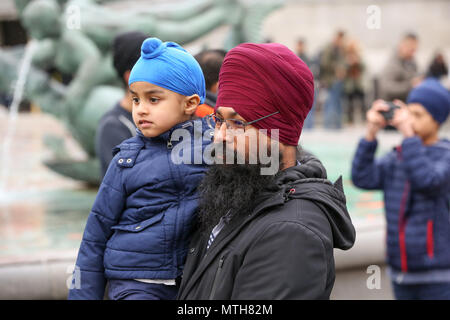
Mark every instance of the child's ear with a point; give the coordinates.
(191, 104)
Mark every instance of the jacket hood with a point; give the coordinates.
(310, 168)
(309, 181)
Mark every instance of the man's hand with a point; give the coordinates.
(402, 120)
(375, 120)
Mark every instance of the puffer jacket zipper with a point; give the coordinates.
(216, 278)
(402, 221)
(169, 141)
(402, 230)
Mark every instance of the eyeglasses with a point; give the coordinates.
(214, 122)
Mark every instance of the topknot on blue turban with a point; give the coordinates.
(168, 65)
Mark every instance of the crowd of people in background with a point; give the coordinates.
(343, 87)
(341, 78)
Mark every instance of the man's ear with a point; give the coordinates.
(191, 104)
(126, 76)
(214, 88)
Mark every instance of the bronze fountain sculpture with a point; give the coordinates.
(74, 38)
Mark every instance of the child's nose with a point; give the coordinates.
(142, 109)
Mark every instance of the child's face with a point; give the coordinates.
(155, 109)
(422, 122)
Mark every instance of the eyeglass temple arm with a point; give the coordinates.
(213, 114)
(263, 117)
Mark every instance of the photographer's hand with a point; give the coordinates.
(375, 120)
(402, 120)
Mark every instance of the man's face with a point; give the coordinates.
(245, 142)
(407, 48)
(230, 187)
(339, 40)
(300, 47)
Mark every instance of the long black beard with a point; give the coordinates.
(230, 189)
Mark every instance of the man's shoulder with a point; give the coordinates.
(113, 114)
(299, 215)
(109, 122)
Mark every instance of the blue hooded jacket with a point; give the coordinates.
(140, 223)
(415, 180)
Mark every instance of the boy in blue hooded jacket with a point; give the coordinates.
(137, 233)
(415, 179)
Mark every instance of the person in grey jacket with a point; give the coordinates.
(264, 235)
(400, 73)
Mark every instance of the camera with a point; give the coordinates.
(388, 115)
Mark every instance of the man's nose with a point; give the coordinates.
(220, 134)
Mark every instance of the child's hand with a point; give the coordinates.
(375, 120)
(402, 119)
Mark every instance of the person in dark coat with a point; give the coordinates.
(438, 67)
(267, 226)
(210, 61)
(400, 74)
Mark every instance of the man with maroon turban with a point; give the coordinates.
(265, 235)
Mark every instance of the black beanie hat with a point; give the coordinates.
(127, 51)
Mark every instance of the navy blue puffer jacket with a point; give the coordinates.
(140, 223)
(416, 182)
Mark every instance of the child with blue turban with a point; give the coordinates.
(137, 234)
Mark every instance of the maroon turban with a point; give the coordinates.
(259, 79)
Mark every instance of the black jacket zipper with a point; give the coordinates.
(216, 278)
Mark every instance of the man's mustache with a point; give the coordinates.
(222, 153)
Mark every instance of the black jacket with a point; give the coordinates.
(282, 250)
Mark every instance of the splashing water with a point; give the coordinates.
(13, 113)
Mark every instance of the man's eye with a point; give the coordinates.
(239, 123)
(218, 121)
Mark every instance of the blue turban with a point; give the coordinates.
(168, 65)
(434, 97)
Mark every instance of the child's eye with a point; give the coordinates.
(135, 100)
(154, 100)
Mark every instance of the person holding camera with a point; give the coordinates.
(415, 179)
